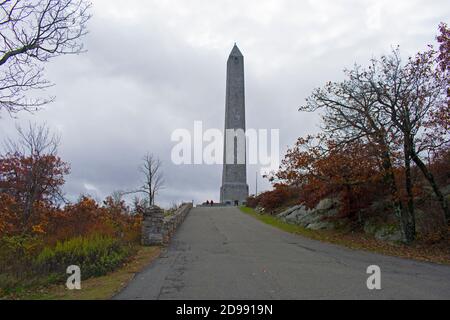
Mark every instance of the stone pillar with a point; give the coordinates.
(153, 227)
(234, 188)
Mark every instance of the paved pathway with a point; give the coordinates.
(221, 253)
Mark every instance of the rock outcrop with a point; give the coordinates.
(383, 231)
(318, 218)
(321, 218)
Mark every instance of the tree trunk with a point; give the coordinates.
(408, 218)
(430, 178)
(389, 177)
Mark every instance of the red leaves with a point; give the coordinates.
(444, 47)
(323, 169)
(84, 218)
(275, 198)
(437, 122)
(29, 184)
(281, 195)
(9, 220)
(30, 196)
(43, 175)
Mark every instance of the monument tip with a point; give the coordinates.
(236, 52)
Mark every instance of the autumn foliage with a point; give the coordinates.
(51, 227)
(281, 195)
(32, 183)
(47, 218)
(40, 231)
(350, 173)
(385, 139)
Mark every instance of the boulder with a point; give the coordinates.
(289, 211)
(389, 233)
(327, 204)
(307, 217)
(294, 215)
(314, 219)
(383, 231)
(259, 210)
(371, 226)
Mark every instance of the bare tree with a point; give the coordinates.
(153, 180)
(30, 169)
(35, 140)
(409, 94)
(117, 197)
(351, 113)
(388, 105)
(31, 33)
(138, 205)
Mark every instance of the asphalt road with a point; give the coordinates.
(221, 253)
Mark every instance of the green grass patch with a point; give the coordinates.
(275, 222)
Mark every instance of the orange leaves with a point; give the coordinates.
(322, 168)
(281, 196)
(275, 198)
(84, 218)
(9, 219)
(16, 172)
(38, 229)
(30, 188)
(32, 181)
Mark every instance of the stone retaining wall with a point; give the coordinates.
(158, 229)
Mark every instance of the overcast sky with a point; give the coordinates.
(156, 66)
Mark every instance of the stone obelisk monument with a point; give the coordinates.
(234, 190)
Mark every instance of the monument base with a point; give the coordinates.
(234, 194)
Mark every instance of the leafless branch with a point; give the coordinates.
(31, 33)
(153, 179)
